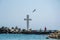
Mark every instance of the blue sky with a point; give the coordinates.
(13, 12)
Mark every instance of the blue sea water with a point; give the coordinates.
(24, 37)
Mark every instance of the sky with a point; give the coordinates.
(13, 12)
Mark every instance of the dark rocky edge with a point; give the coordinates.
(16, 30)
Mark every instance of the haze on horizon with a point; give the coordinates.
(13, 12)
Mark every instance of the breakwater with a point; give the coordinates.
(5, 30)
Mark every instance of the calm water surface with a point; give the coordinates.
(24, 37)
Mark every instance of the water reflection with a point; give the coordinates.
(24, 37)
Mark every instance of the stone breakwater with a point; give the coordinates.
(55, 35)
(17, 30)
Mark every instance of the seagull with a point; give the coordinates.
(34, 10)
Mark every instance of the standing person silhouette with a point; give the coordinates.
(45, 29)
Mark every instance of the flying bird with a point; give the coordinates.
(34, 10)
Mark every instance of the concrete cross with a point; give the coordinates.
(27, 19)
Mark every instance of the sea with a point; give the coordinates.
(24, 37)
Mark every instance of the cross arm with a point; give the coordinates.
(25, 19)
(30, 19)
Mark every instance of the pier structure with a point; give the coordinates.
(27, 19)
